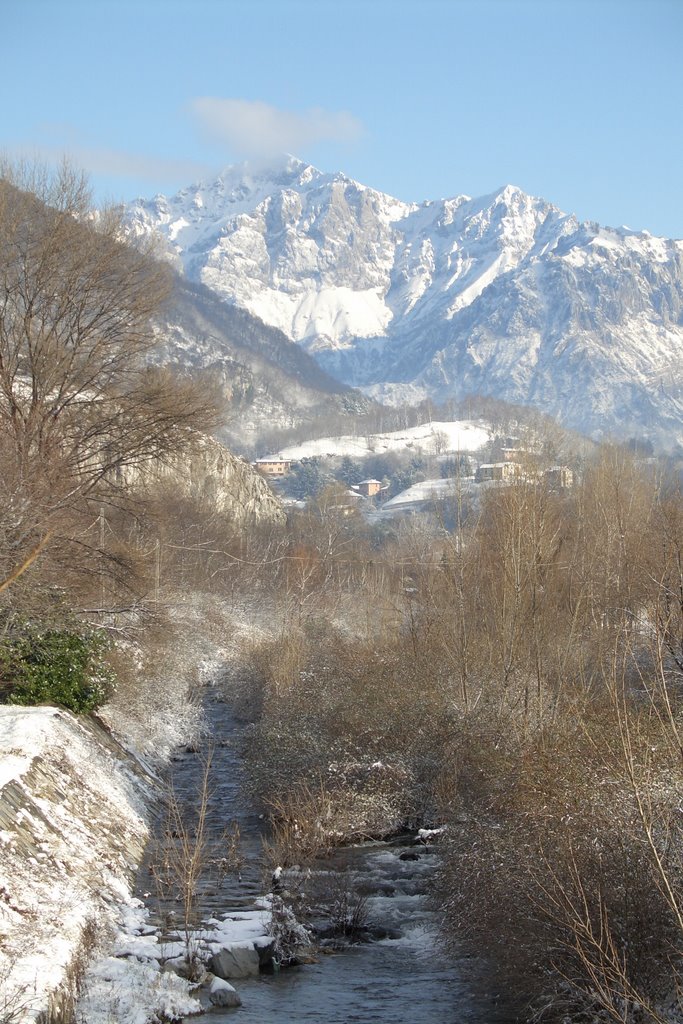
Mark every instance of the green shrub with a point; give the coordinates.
(55, 666)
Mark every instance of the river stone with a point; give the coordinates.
(265, 947)
(221, 993)
(235, 962)
(191, 970)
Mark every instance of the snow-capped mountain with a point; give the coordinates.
(503, 295)
(268, 382)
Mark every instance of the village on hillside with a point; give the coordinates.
(412, 474)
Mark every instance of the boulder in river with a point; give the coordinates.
(265, 948)
(221, 993)
(237, 961)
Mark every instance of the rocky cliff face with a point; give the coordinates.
(215, 476)
(504, 295)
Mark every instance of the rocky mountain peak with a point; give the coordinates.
(503, 294)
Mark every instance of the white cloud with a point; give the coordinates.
(252, 128)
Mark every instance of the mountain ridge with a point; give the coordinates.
(503, 294)
(267, 380)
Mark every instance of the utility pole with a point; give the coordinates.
(102, 525)
(157, 573)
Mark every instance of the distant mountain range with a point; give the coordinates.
(505, 295)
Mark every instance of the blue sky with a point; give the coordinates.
(579, 101)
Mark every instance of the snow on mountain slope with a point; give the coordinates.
(268, 381)
(307, 252)
(328, 261)
(448, 436)
(503, 295)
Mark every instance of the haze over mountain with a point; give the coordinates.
(503, 295)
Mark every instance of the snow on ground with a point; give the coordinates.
(133, 984)
(130, 987)
(129, 992)
(249, 928)
(72, 828)
(439, 437)
(426, 490)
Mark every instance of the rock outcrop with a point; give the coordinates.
(216, 477)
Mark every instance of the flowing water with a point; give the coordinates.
(392, 980)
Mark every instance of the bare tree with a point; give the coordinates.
(79, 398)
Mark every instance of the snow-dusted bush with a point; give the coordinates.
(567, 868)
(291, 937)
(562, 621)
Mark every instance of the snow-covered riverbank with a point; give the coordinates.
(73, 825)
(75, 806)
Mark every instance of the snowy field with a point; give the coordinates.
(436, 437)
(426, 490)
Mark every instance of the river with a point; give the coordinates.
(390, 981)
